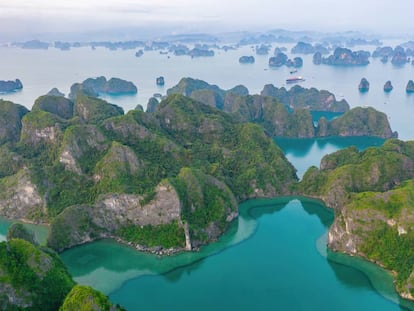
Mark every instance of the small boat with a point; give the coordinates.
(295, 80)
(293, 71)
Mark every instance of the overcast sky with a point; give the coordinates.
(60, 16)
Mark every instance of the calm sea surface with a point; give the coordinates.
(41, 70)
(274, 256)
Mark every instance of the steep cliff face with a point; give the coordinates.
(81, 224)
(20, 198)
(362, 122)
(373, 197)
(287, 113)
(57, 105)
(86, 298)
(379, 226)
(301, 98)
(162, 207)
(31, 278)
(94, 110)
(105, 174)
(40, 128)
(208, 205)
(349, 171)
(96, 86)
(342, 234)
(82, 145)
(229, 143)
(10, 121)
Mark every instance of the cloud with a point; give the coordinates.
(86, 15)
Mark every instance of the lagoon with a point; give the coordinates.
(273, 257)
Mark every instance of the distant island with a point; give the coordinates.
(169, 179)
(10, 86)
(343, 57)
(399, 56)
(97, 86)
(388, 87)
(281, 59)
(363, 86)
(286, 113)
(246, 60)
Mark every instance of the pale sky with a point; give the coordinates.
(62, 16)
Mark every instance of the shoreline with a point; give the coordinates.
(165, 252)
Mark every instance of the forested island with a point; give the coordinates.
(33, 277)
(170, 179)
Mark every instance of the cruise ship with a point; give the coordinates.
(295, 79)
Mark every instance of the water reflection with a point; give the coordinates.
(306, 152)
(270, 267)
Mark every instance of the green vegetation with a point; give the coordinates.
(373, 195)
(206, 203)
(85, 298)
(10, 121)
(168, 235)
(394, 251)
(57, 105)
(18, 231)
(94, 110)
(348, 171)
(100, 154)
(32, 277)
(361, 122)
(68, 226)
(187, 86)
(391, 203)
(40, 119)
(10, 162)
(300, 98)
(287, 113)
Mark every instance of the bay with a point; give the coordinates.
(306, 152)
(40, 232)
(41, 70)
(274, 255)
(281, 264)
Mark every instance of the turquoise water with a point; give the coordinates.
(40, 232)
(273, 257)
(306, 152)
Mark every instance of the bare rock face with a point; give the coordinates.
(81, 224)
(127, 127)
(69, 161)
(79, 142)
(128, 209)
(20, 299)
(44, 134)
(20, 199)
(120, 159)
(40, 127)
(56, 104)
(340, 237)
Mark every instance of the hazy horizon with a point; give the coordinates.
(127, 18)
